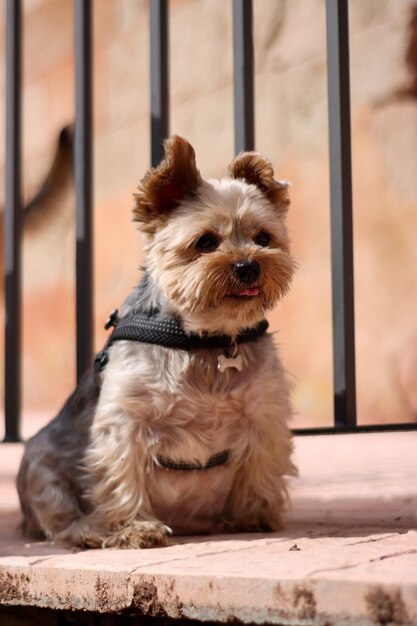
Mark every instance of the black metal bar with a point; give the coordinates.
(364, 428)
(12, 222)
(243, 75)
(83, 167)
(159, 78)
(341, 213)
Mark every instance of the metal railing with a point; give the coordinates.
(340, 186)
(13, 222)
(83, 174)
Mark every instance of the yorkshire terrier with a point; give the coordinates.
(180, 426)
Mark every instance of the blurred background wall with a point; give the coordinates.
(291, 129)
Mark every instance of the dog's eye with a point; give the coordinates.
(262, 239)
(207, 242)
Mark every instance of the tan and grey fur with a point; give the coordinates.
(92, 476)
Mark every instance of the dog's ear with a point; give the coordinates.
(256, 170)
(164, 186)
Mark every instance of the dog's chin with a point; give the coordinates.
(234, 313)
(240, 298)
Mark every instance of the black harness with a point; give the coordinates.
(168, 332)
(217, 459)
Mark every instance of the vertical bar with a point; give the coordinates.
(159, 78)
(341, 213)
(243, 74)
(83, 164)
(12, 221)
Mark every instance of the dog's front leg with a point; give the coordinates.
(118, 462)
(259, 493)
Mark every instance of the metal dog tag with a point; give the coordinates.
(223, 362)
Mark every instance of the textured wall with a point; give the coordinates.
(291, 128)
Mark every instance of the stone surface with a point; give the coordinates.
(291, 129)
(348, 554)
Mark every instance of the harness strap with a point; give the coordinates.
(167, 332)
(216, 459)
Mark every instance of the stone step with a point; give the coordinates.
(348, 554)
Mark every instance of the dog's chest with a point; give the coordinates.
(205, 416)
(167, 388)
(201, 401)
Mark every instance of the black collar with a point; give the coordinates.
(214, 461)
(168, 332)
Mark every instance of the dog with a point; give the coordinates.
(181, 424)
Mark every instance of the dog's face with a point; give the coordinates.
(217, 249)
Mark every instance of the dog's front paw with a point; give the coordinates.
(139, 534)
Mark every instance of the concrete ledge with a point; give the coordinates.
(348, 556)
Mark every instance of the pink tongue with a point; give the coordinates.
(251, 291)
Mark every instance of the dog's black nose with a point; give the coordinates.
(247, 271)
